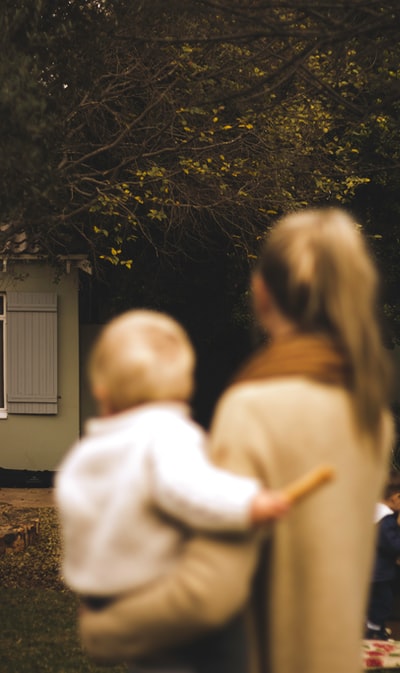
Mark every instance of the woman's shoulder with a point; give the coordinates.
(272, 401)
(275, 388)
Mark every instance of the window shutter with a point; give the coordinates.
(32, 352)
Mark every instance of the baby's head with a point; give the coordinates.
(392, 491)
(141, 356)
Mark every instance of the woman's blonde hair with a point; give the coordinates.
(321, 274)
(142, 356)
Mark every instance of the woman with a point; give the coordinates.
(319, 392)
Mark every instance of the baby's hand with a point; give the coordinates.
(272, 504)
(268, 505)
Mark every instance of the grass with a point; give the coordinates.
(38, 614)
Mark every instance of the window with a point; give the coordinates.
(3, 413)
(31, 353)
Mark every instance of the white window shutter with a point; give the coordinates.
(32, 352)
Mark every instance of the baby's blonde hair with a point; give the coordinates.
(142, 356)
(317, 266)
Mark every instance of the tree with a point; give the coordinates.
(163, 138)
(154, 122)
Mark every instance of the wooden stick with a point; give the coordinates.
(309, 482)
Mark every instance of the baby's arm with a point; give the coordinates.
(209, 585)
(187, 486)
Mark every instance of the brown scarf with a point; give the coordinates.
(313, 356)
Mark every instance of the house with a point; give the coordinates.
(39, 360)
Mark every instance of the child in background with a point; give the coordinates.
(387, 552)
(141, 471)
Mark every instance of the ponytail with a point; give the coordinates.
(317, 266)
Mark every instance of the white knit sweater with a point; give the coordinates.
(118, 487)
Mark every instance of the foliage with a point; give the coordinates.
(159, 136)
(170, 124)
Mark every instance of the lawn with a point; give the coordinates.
(38, 615)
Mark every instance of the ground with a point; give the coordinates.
(20, 516)
(27, 497)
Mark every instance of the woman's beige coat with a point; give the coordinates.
(309, 597)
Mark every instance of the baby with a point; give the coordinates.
(132, 488)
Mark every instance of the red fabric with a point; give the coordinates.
(378, 654)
